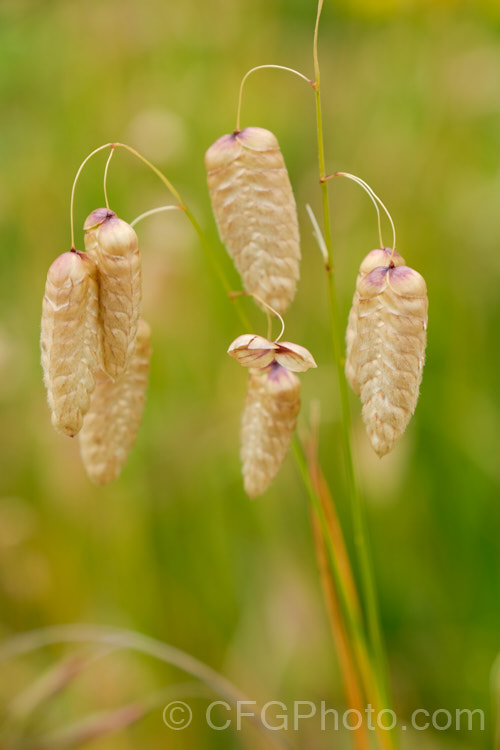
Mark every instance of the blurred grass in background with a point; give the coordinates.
(174, 548)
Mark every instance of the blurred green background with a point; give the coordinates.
(411, 94)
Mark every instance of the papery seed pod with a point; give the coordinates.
(113, 243)
(69, 339)
(390, 349)
(111, 424)
(269, 419)
(252, 351)
(294, 357)
(374, 259)
(255, 211)
(257, 352)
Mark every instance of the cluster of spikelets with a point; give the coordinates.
(256, 215)
(385, 344)
(96, 351)
(95, 347)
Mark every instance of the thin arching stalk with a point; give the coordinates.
(105, 181)
(263, 67)
(203, 240)
(72, 199)
(376, 202)
(152, 212)
(182, 206)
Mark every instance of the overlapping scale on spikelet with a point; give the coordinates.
(255, 211)
(374, 259)
(389, 350)
(114, 245)
(91, 227)
(110, 426)
(258, 352)
(269, 420)
(69, 335)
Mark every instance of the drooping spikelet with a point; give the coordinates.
(374, 259)
(114, 246)
(269, 419)
(110, 426)
(390, 348)
(69, 339)
(255, 211)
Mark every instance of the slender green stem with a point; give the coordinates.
(353, 621)
(151, 166)
(359, 522)
(350, 611)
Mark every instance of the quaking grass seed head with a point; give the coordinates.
(255, 211)
(374, 259)
(390, 350)
(110, 427)
(69, 338)
(114, 245)
(272, 405)
(268, 423)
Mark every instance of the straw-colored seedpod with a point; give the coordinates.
(374, 259)
(111, 424)
(257, 352)
(114, 246)
(390, 348)
(69, 339)
(255, 211)
(269, 419)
